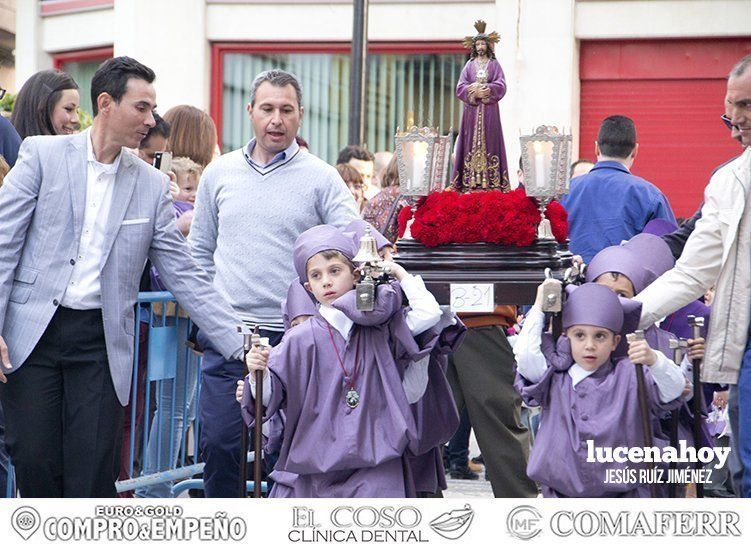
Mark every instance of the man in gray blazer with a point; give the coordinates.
(78, 218)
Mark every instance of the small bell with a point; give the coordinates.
(368, 251)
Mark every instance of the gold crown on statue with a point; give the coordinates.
(480, 26)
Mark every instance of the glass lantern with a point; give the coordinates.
(546, 155)
(422, 157)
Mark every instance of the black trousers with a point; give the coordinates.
(481, 374)
(63, 418)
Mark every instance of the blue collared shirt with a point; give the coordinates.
(609, 205)
(280, 157)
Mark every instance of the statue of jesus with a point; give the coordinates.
(480, 156)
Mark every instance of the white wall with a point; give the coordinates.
(170, 41)
(603, 19)
(82, 30)
(333, 22)
(541, 61)
(29, 54)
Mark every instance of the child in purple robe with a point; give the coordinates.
(628, 269)
(587, 393)
(435, 413)
(298, 307)
(346, 378)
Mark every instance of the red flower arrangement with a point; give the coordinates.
(510, 219)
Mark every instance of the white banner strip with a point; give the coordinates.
(318, 521)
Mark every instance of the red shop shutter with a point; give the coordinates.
(674, 91)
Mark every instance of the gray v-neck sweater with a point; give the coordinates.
(246, 224)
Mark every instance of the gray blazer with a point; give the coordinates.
(41, 214)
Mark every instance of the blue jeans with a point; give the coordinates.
(740, 396)
(735, 467)
(168, 425)
(221, 420)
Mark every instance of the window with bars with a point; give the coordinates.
(402, 89)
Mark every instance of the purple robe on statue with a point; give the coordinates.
(480, 155)
(329, 449)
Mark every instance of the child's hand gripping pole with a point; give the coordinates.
(639, 356)
(258, 342)
(697, 324)
(678, 345)
(249, 341)
(242, 492)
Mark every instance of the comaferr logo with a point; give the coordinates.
(453, 524)
(696, 523)
(524, 522)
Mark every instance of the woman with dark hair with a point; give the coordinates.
(47, 104)
(192, 134)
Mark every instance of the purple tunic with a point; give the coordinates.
(603, 408)
(299, 302)
(677, 322)
(435, 413)
(329, 449)
(495, 174)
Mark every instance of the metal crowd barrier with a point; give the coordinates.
(172, 375)
(169, 377)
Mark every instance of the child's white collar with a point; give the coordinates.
(336, 319)
(578, 373)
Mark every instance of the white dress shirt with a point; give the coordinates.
(84, 289)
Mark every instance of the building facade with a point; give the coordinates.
(7, 44)
(567, 62)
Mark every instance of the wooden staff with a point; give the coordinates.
(677, 345)
(250, 340)
(697, 324)
(247, 345)
(641, 391)
(258, 429)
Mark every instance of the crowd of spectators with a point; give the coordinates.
(221, 238)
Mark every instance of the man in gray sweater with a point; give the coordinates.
(252, 204)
